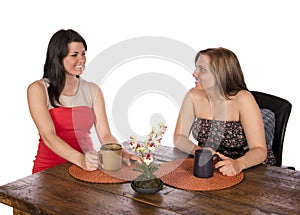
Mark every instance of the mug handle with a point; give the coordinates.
(100, 159)
(218, 159)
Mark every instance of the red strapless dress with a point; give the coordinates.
(73, 125)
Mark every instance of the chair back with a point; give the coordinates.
(282, 109)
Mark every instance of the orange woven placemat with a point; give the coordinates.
(125, 174)
(177, 173)
(182, 177)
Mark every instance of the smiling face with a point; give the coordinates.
(205, 79)
(74, 62)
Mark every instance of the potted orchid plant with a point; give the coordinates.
(147, 182)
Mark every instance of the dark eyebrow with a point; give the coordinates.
(76, 52)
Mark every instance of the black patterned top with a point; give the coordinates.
(226, 137)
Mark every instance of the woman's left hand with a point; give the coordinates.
(128, 156)
(228, 166)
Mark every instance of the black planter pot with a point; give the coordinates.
(147, 190)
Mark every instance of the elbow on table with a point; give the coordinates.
(260, 153)
(264, 153)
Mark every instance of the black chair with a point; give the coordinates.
(282, 109)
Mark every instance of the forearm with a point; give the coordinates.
(64, 150)
(104, 134)
(253, 157)
(184, 144)
(184, 123)
(109, 138)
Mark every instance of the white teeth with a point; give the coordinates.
(80, 67)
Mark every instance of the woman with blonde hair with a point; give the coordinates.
(222, 114)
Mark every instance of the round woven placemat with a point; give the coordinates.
(182, 177)
(125, 174)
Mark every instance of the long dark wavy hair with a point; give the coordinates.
(227, 70)
(54, 69)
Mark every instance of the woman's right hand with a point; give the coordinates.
(91, 161)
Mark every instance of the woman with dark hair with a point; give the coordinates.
(222, 114)
(64, 107)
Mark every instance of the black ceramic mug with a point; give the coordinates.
(203, 163)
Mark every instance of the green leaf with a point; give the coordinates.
(138, 170)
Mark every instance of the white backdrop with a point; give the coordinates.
(262, 33)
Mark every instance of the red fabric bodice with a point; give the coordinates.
(72, 124)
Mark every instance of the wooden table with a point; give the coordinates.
(264, 190)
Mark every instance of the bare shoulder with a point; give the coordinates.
(36, 86)
(36, 93)
(190, 95)
(246, 103)
(244, 97)
(194, 92)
